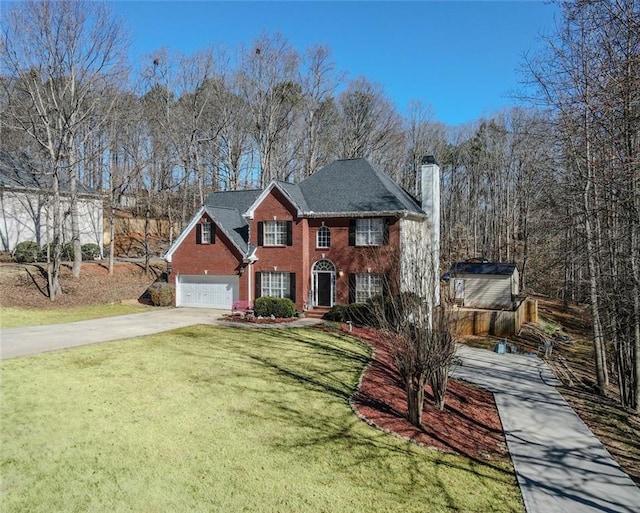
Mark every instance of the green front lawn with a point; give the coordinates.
(218, 419)
(13, 317)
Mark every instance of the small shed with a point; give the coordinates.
(487, 285)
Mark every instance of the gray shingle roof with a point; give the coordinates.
(233, 224)
(16, 171)
(19, 171)
(345, 187)
(239, 200)
(355, 186)
(481, 268)
(296, 195)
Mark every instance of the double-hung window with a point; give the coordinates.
(367, 286)
(369, 232)
(205, 236)
(205, 233)
(323, 237)
(275, 284)
(275, 233)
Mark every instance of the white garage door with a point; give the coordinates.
(207, 291)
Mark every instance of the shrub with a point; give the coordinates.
(278, 307)
(90, 251)
(161, 294)
(26, 252)
(66, 252)
(358, 313)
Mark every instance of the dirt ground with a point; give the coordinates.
(616, 427)
(25, 285)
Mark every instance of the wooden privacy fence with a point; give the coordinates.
(136, 225)
(498, 323)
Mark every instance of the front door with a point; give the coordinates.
(323, 283)
(324, 289)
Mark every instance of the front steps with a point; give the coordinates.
(317, 312)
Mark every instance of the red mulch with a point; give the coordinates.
(468, 425)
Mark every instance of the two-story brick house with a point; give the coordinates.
(323, 241)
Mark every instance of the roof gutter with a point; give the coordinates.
(381, 213)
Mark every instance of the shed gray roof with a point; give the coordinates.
(482, 268)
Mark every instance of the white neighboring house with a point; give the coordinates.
(27, 215)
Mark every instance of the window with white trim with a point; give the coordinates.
(323, 237)
(369, 232)
(205, 233)
(275, 284)
(275, 233)
(367, 286)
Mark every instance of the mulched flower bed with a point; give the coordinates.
(256, 320)
(468, 425)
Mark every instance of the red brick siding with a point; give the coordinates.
(284, 258)
(219, 258)
(351, 259)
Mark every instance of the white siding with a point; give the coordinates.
(419, 268)
(29, 217)
(486, 291)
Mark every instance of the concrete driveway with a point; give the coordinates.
(39, 339)
(561, 466)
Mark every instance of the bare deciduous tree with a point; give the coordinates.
(370, 125)
(418, 329)
(60, 59)
(269, 82)
(589, 78)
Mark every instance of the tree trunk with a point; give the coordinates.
(415, 401)
(438, 380)
(147, 229)
(75, 223)
(602, 376)
(635, 258)
(53, 270)
(112, 236)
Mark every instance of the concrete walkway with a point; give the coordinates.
(560, 465)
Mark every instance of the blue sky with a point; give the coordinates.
(461, 58)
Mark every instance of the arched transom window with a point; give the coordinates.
(323, 237)
(324, 265)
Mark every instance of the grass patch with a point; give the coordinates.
(14, 317)
(218, 419)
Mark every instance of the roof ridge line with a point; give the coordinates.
(225, 208)
(387, 181)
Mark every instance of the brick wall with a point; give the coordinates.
(351, 259)
(221, 257)
(218, 258)
(276, 207)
